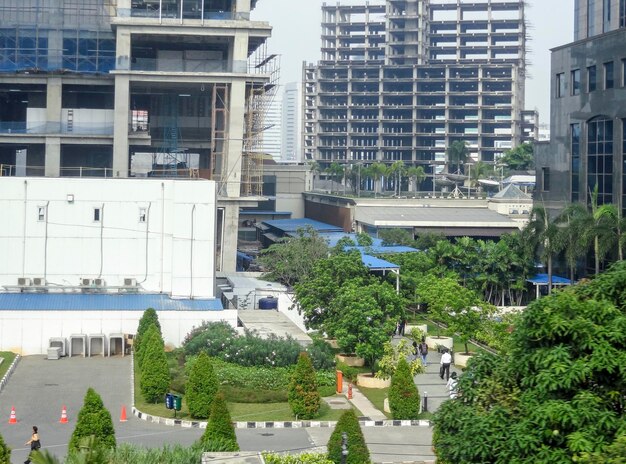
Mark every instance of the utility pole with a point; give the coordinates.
(344, 448)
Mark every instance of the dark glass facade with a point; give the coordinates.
(600, 159)
(575, 148)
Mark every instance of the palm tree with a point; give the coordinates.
(316, 169)
(569, 236)
(541, 234)
(397, 169)
(457, 154)
(335, 170)
(377, 171)
(417, 176)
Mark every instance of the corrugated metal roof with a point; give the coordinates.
(542, 279)
(292, 225)
(371, 262)
(102, 302)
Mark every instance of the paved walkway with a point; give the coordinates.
(360, 401)
(430, 384)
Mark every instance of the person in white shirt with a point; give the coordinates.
(446, 360)
(452, 385)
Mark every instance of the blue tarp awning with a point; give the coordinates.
(542, 279)
(372, 262)
(102, 302)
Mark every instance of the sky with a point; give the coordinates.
(297, 30)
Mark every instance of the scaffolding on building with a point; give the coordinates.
(259, 98)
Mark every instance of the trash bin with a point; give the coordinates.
(169, 401)
(178, 402)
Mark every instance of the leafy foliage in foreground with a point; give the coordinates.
(201, 387)
(306, 458)
(558, 395)
(357, 449)
(219, 428)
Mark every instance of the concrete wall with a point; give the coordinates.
(28, 332)
(172, 252)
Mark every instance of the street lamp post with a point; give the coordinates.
(434, 166)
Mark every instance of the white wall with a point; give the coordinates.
(161, 253)
(28, 332)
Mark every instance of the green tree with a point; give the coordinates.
(541, 231)
(457, 154)
(291, 260)
(315, 295)
(398, 171)
(155, 375)
(304, 397)
(5, 452)
(336, 172)
(201, 387)
(396, 237)
(368, 315)
(304, 458)
(220, 428)
(520, 158)
(376, 171)
(404, 399)
(357, 449)
(93, 420)
(151, 333)
(417, 176)
(149, 317)
(615, 453)
(557, 394)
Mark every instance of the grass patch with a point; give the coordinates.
(377, 397)
(8, 357)
(276, 412)
(250, 395)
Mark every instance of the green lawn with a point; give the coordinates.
(377, 397)
(8, 359)
(238, 411)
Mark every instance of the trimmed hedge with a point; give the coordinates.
(304, 397)
(357, 449)
(148, 319)
(93, 420)
(155, 374)
(220, 428)
(404, 398)
(201, 387)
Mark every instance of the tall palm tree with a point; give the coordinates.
(569, 236)
(335, 170)
(417, 176)
(541, 234)
(377, 171)
(457, 154)
(398, 170)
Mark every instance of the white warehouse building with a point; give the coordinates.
(88, 256)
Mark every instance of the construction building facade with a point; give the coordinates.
(137, 88)
(400, 80)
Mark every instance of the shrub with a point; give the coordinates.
(93, 420)
(305, 458)
(321, 354)
(304, 398)
(220, 427)
(155, 374)
(349, 372)
(357, 449)
(5, 452)
(148, 319)
(126, 454)
(151, 333)
(404, 399)
(221, 341)
(201, 387)
(393, 354)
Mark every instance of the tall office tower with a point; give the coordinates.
(594, 17)
(404, 79)
(119, 88)
(291, 119)
(586, 155)
(273, 133)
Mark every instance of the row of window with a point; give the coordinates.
(603, 78)
(97, 214)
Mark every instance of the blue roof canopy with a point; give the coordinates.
(377, 264)
(102, 302)
(542, 279)
(292, 225)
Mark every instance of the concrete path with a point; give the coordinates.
(360, 401)
(268, 322)
(430, 384)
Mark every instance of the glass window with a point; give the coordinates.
(96, 214)
(560, 85)
(608, 75)
(575, 82)
(575, 149)
(606, 16)
(591, 18)
(41, 213)
(624, 70)
(591, 78)
(600, 159)
(545, 179)
(622, 13)
(142, 214)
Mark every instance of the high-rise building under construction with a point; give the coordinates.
(137, 88)
(401, 80)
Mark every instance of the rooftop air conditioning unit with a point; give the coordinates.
(24, 281)
(99, 282)
(130, 282)
(86, 282)
(39, 281)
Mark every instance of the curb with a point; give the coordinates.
(6, 377)
(277, 424)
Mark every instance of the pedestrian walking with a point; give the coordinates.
(446, 360)
(416, 350)
(423, 351)
(34, 443)
(452, 383)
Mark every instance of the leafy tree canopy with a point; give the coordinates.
(520, 158)
(558, 395)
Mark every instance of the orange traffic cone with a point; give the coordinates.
(123, 415)
(12, 419)
(63, 415)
